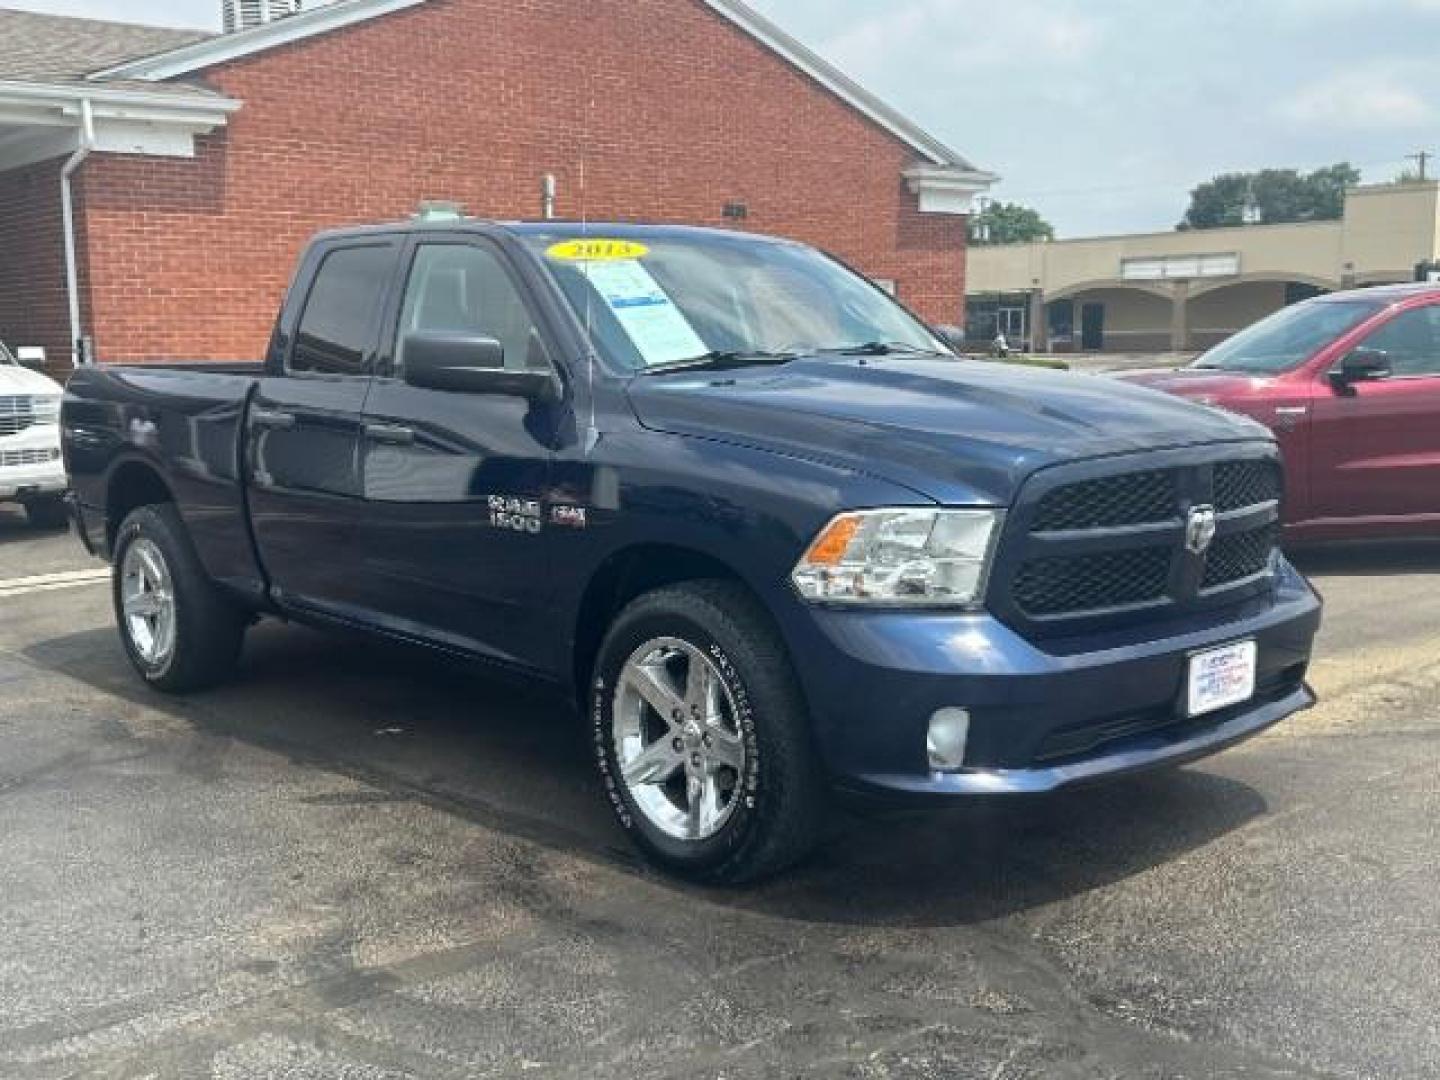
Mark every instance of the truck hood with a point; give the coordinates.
(1198, 384)
(15, 380)
(958, 432)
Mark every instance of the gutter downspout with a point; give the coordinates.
(72, 273)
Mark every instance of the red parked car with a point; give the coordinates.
(1350, 384)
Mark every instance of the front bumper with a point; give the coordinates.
(30, 464)
(1078, 711)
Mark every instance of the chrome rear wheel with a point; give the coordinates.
(147, 598)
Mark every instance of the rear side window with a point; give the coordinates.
(337, 325)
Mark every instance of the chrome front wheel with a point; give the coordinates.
(678, 741)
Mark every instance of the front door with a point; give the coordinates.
(1376, 445)
(1092, 327)
(455, 536)
(303, 430)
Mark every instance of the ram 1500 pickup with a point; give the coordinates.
(768, 532)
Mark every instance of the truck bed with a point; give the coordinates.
(183, 420)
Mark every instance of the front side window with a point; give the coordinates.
(1288, 338)
(1411, 342)
(462, 289)
(338, 322)
(650, 300)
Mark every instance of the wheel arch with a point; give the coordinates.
(132, 484)
(628, 573)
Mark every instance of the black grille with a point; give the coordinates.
(1132, 499)
(1098, 545)
(1239, 556)
(16, 414)
(1239, 484)
(1062, 586)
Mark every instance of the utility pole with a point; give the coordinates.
(1422, 159)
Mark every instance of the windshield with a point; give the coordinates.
(1289, 337)
(657, 300)
(6, 357)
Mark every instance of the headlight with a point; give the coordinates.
(900, 558)
(46, 409)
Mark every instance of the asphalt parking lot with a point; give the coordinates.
(357, 864)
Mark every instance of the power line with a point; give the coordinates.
(1170, 185)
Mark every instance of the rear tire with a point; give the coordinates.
(48, 512)
(179, 630)
(702, 737)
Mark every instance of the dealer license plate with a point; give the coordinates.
(1222, 677)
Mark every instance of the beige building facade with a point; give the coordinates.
(1185, 291)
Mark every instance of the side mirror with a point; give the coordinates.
(954, 336)
(471, 364)
(31, 356)
(1362, 365)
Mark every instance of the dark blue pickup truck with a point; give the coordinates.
(775, 538)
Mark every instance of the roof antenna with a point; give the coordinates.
(592, 431)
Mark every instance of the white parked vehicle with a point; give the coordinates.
(31, 470)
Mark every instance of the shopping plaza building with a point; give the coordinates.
(1184, 291)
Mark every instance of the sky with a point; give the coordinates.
(1103, 114)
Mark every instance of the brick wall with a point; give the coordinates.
(33, 308)
(673, 112)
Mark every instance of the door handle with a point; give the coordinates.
(390, 434)
(273, 420)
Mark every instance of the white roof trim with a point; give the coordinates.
(947, 189)
(67, 96)
(218, 50)
(322, 20)
(44, 121)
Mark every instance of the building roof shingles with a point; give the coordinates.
(58, 50)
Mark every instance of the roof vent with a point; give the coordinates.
(248, 14)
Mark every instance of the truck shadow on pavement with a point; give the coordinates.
(516, 761)
(1369, 558)
(15, 527)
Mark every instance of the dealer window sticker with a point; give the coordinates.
(645, 311)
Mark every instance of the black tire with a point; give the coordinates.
(779, 819)
(208, 628)
(48, 512)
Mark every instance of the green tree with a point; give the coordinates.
(1009, 223)
(1270, 197)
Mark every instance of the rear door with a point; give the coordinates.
(455, 536)
(303, 428)
(1376, 445)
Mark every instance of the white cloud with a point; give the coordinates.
(968, 34)
(1366, 98)
(204, 14)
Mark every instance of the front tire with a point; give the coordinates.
(702, 737)
(48, 512)
(179, 631)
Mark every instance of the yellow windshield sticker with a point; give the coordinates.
(597, 251)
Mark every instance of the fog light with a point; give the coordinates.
(945, 741)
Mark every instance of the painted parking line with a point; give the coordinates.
(69, 579)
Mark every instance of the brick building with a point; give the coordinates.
(197, 165)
